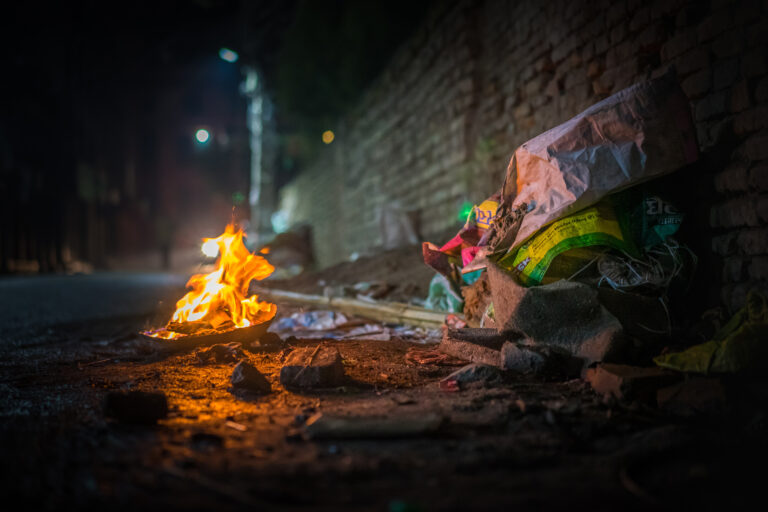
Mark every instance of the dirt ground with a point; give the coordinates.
(522, 443)
(402, 268)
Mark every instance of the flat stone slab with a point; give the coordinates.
(313, 367)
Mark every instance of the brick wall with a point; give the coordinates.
(478, 79)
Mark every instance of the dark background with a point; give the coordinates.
(101, 101)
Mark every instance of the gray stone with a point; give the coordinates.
(564, 314)
(539, 359)
(313, 367)
(247, 377)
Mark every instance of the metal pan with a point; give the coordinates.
(242, 335)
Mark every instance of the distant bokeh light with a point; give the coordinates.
(328, 136)
(210, 248)
(228, 55)
(202, 135)
(465, 210)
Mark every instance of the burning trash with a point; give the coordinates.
(218, 303)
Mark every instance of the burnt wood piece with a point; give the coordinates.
(318, 367)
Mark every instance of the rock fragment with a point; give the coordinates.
(246, 377)
(318, 367)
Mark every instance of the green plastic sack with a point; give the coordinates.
(740, 346)
(605, 224)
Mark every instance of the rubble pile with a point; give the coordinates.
(571, 267)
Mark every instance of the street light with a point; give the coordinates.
(228, 55)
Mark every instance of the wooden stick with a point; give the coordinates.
(392, 312)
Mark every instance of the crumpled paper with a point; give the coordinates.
(637, 134)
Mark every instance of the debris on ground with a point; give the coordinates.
(269, 342)
(220, 353)
(624, 382)
(477, 345)
(246, 377)
(526, 358)
(740, 346)
(422, 356)
(327, 426)
(471, 376)
(695, 395)
(318, 367)
(136, 407)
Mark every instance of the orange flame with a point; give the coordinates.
(219, 300)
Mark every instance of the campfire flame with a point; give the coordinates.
(219, 301)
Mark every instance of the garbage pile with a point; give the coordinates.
(575, 258)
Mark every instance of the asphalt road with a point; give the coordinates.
(38, 302)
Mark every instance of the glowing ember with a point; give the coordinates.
(219, 301)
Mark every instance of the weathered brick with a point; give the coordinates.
(729, 44)
(640, 19)
(756, 147)
(733, 269)
(740, 96)
(698, 84)
(758, 177)
(758, 268)
(725, 244)
(754, 64)
(751, 120)
(712, 105)
(733, 179)
(694, 60)
(761, 91)
(735, 213)
(753, 241)
(715, 24)
(678, 45)
(761, 208)
(725, 73)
